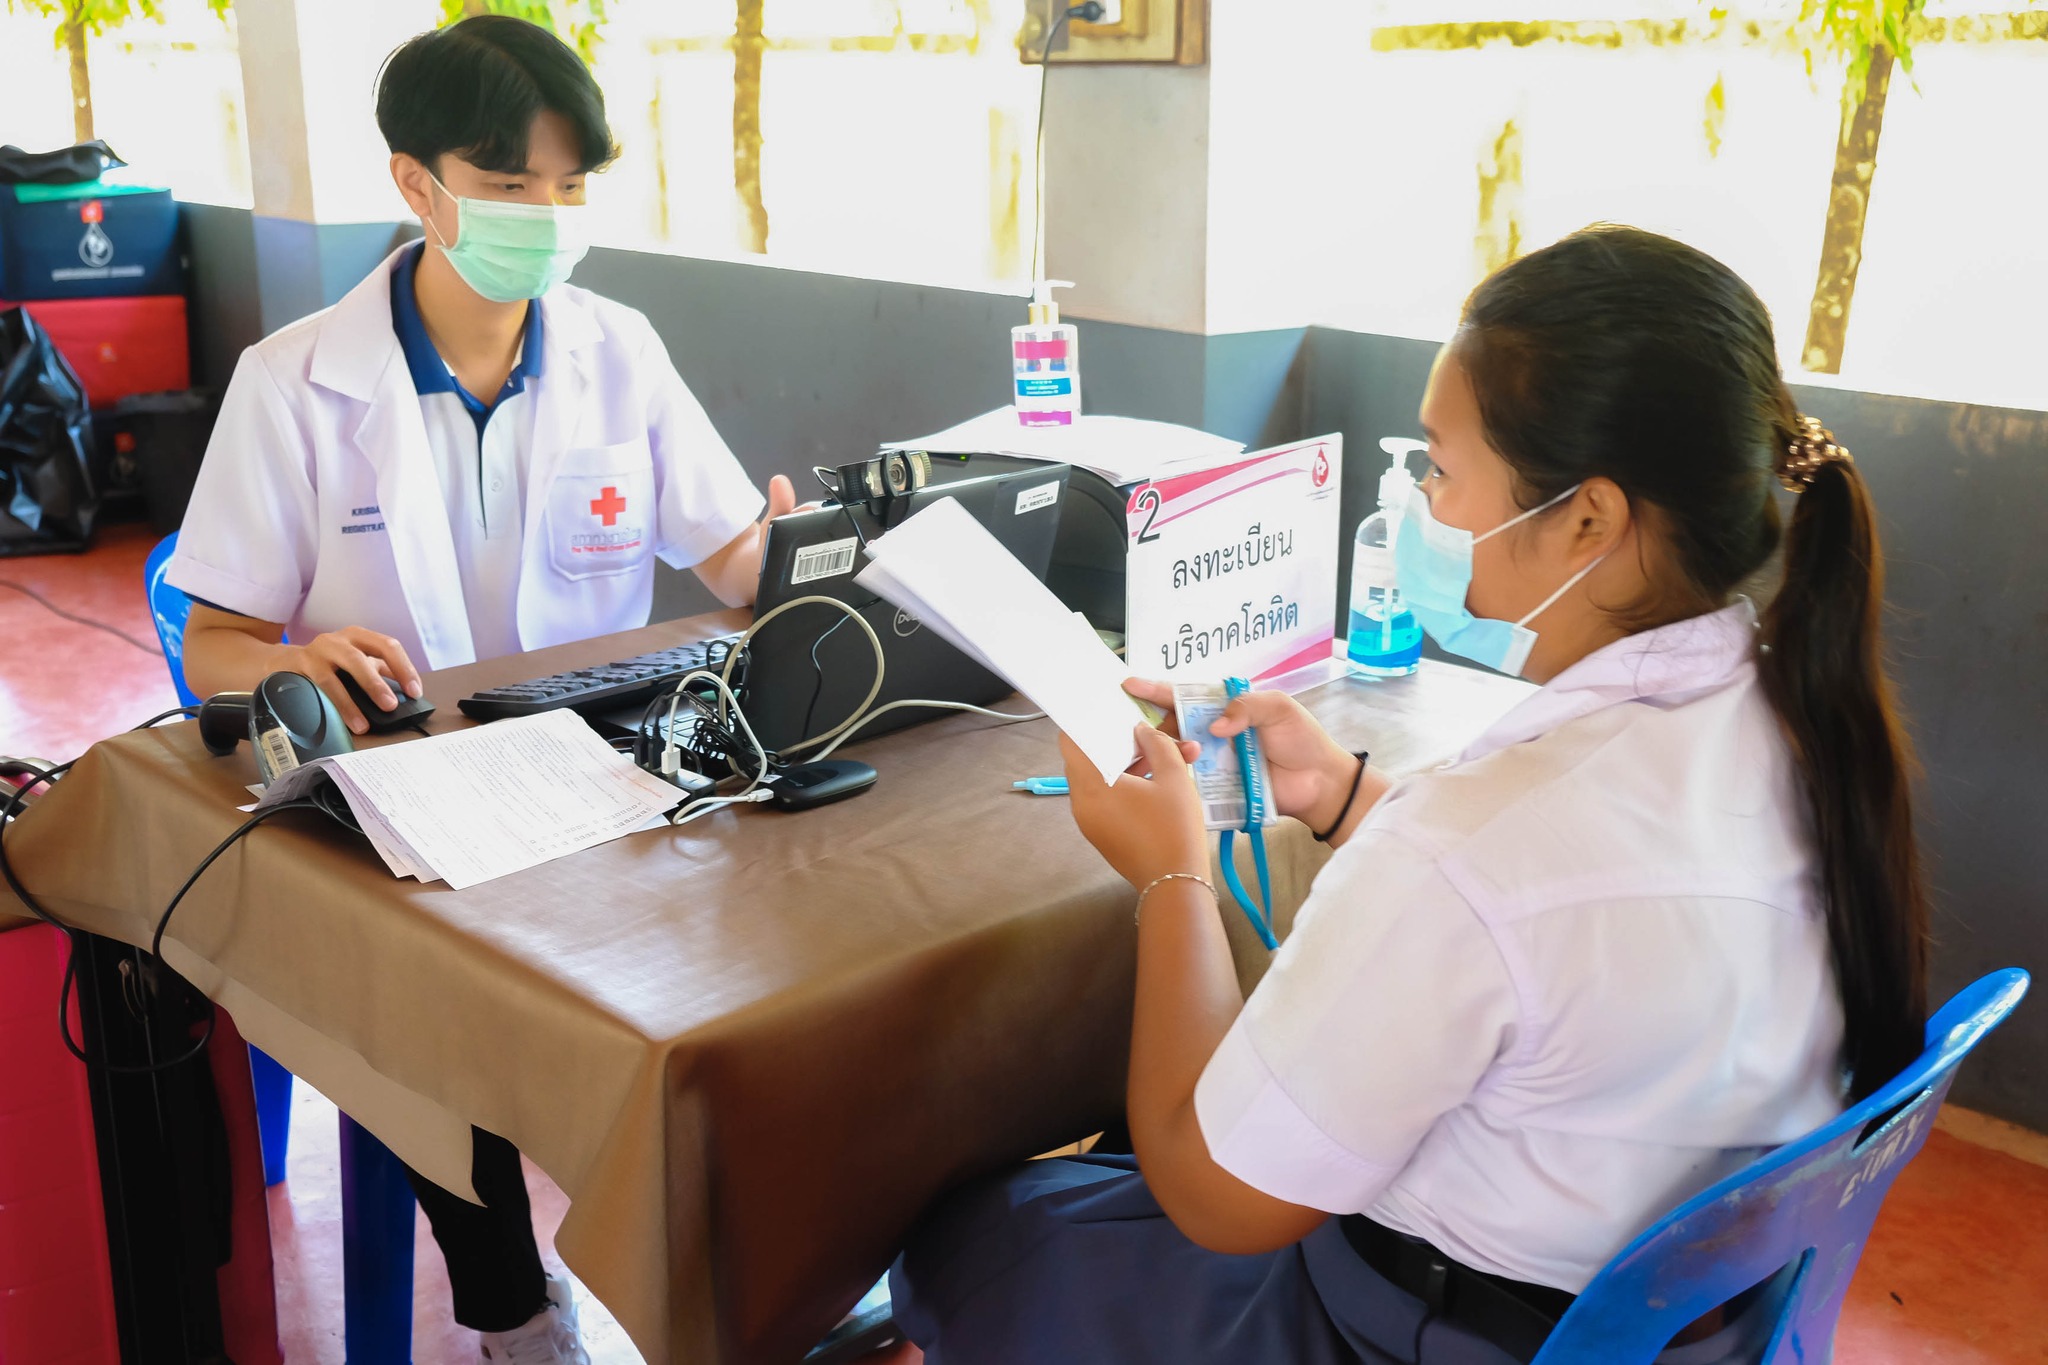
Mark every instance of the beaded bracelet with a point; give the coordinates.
(1323, 837)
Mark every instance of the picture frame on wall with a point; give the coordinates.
(1170, 32)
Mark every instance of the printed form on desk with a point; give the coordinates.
(944, 567)
(474, 804)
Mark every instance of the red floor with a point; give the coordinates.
(1953, 1274)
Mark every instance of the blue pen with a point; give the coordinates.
(1042, 786)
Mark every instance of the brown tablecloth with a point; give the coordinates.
(749, 1050)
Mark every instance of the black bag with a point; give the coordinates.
(65, 166)
(47, 500)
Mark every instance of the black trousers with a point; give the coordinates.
(493, 1260)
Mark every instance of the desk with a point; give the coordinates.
(748, 1050)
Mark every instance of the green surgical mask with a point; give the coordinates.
(511, 252)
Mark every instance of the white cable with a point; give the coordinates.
(859, 714)
(826, 752)
(846, 728)
(668, 752)
(712, 803)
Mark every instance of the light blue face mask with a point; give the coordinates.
(1433, 565)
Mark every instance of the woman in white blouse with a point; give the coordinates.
(1663, 915)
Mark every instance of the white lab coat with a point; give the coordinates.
(318, 504)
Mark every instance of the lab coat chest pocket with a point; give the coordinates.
(601, 512)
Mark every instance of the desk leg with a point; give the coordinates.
(376, 1250)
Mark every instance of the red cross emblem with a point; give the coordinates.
(608, 506)
(1320, 474)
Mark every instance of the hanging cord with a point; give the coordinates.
(1262, 923)
(1249, 764)
(1087, 13)
(859, 712)
(13, 806)
(824, 476)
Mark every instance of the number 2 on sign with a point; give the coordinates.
(1147, 500)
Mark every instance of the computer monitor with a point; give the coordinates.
(809, 668)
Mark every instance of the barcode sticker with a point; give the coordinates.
(1044, 495)
(277, 750)
(829, 560)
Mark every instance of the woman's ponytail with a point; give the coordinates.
(1822, 667)
(1616, 353)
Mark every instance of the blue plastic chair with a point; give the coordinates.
(1797, 1217)
(376, 1198)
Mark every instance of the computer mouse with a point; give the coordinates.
(409, 712)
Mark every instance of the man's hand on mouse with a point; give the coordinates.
(366, 656)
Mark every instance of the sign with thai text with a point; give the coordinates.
(1232, 569)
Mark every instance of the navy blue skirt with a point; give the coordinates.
(1070, 1260)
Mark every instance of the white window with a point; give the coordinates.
(888, 138)
(1453, 135)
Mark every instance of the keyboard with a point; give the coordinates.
(603, 687)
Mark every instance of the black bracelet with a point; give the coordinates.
(1323, 837)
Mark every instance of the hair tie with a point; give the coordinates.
(1811, 446)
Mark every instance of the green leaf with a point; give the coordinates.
(580, 23)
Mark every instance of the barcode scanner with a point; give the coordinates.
(286, 719)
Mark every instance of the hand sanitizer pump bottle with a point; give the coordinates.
(1045, 362)
(1384, 642)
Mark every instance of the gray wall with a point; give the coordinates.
(1960, 493)
(798, 369)
(252, 275)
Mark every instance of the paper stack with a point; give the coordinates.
(471, 805)
(944, 567)
(1120, 449)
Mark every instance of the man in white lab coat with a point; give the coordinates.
(463, 458)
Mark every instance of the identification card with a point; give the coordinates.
(1219, 772)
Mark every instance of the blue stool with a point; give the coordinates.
(376, 1199)
(1797, 1217)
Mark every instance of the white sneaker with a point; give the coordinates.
(550, 1338)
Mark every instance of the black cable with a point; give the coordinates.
(163, 716)
(17, 801)
(851, 519)
(156, 940)
(709, 740)
(14, 805)
(1087, 13)
(153, 650)
(818, 670)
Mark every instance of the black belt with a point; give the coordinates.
(1515, 1316)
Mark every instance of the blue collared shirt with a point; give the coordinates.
(430, 373)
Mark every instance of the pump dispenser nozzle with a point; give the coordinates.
(1395, 483)
(1044, 311)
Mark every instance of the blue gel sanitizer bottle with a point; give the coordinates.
(1385, 641)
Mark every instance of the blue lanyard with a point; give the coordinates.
(1255, 826)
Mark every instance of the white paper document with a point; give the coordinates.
(944, 567)
(471, 805)
(1120, 449)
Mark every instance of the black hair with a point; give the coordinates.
(1620, 354)
(473, 89)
